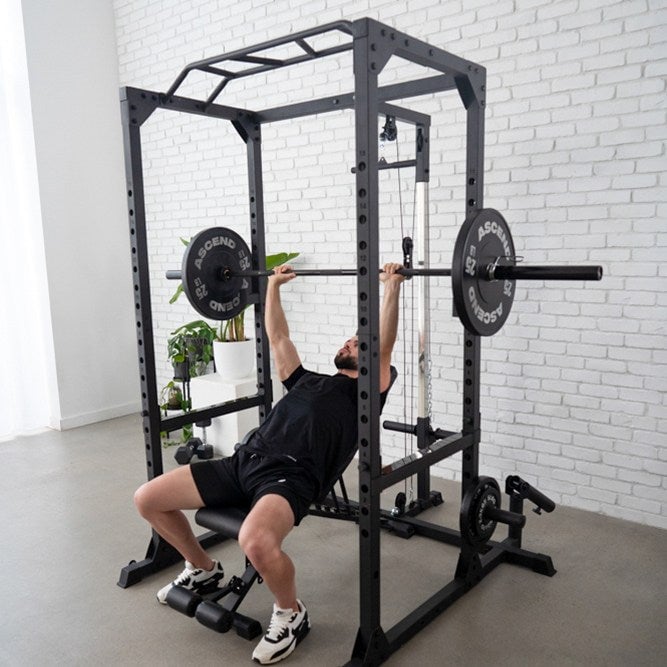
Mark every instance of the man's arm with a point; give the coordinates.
(389, 320)
(285, 356)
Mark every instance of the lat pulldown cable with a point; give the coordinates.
(390, 133)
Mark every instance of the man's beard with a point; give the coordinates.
(344, 362)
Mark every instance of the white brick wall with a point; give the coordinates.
(574, 387)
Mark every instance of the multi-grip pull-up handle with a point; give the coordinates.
(216, 273)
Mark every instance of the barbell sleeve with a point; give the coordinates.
(537, 272)
(173, 274)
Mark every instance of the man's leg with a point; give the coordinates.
(261, 538)
(160, 502)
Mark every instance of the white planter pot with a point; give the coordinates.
(234, 361)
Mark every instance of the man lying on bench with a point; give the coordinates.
(293, 459)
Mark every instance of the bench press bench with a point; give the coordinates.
(218, 610)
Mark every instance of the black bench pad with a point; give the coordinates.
(224, 520)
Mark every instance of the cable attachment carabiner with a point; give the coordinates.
(389, 131)
(407, 253)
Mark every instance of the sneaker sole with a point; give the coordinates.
(289, 650)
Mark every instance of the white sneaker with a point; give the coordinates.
(286, 629)
(195, 579)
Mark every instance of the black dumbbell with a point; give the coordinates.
(195, 446)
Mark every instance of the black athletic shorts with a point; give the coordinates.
(242, 479)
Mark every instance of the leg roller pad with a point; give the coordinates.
(217, 618)
(214, 616)
(246, 627)
(184, 600)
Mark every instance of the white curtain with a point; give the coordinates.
(26, 344)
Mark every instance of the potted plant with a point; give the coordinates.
(171, 397)
(190, 349)
(234, 354)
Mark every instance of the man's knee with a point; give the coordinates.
(146, 499)
(172, 491)
(262, 533)
(261, 549)
(142, 499)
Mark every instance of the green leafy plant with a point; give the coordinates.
(171, 397)
(192, 343)
(179, 290)
(186, 433)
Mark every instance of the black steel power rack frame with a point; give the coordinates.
(372, 45)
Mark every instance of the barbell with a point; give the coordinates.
(217, 270)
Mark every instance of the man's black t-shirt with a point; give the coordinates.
(314, 425)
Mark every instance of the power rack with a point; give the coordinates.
(372, 45)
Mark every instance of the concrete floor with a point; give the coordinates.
(69, 525)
